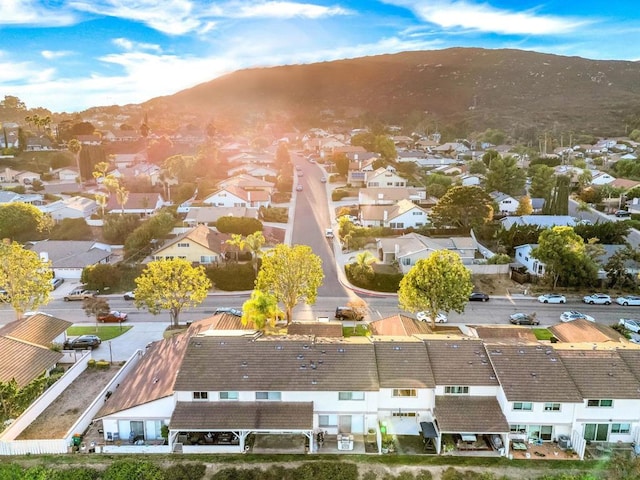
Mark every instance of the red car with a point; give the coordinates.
(113, 317)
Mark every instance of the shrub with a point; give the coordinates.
(91, 363)
(274, 214)
(239, 225)
(380, 282)
(185, 471)
(102, 365)
(338, 194)
(71, 229)
(232, 276)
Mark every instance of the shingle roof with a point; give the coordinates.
(242, 415)
(202, 235)
(37, 329)
(632, 359)
(599, 374)
(23, 361)
(397, 325)
(135, 201)
(469, 414)
(318, 329)
(403, 363)
(582, 330)
(532, 374)
(505, 334)
(460, 362)
(216, 363)
(71, 253)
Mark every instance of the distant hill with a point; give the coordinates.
(509, 89)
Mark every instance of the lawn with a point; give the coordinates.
(542, 333)
(105, 332)
(359, 331)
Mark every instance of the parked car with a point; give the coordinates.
(478, 297)
(56, 282)
(573, 315)
(323, 180)
(630, 324)
(328, 232)
(79, 294)
(113, 317)
(83, 342)
(348, 313)
(233, 311)
(299, 188)
(524, 319)
(552, 298)
(622, 213)
(597, 299)
(424, 317)
(130, 295)
(628, 300)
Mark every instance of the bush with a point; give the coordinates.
(91, 363)
(339, 194)
(102, 365)
(232, 276)
(380, 282)
(185, 471)
(71, 229)
(274, 214)
(239, 225)
(116, 227)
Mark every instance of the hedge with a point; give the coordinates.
(232, 276)
(381, 282)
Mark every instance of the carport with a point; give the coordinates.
(471, 418)
(215, 427)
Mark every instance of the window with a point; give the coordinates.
(456, 390)
(405, 392)
(397, 225)
(551, 407)
(207, 258)
(183, 245)
(524, 406)
(404, 414)
(228, 395)
(518, 428)
(350, 395)
(327, 420)
(599, 403)
(200, 395)
(268, 395)
(416, 213)
(620, 428)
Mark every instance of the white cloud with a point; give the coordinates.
(32, 12)
(51, 55)
(485, 18)
(173, 17)
(130, 45)
(284, 10)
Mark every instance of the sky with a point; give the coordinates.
(69, 55)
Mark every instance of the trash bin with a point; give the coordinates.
(76, 440)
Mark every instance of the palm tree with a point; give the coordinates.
(237, 241)
(75, 147)
(362, 268)
(254, 243)
(582, 207)
(122, 196)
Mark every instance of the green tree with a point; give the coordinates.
(542, 181)
(584, 179)
(565, 257)
(94, 307)
(117, 228)
(463, 207)
(172, 285)
(489, 157)
(22, 221)
(438, 283)
(558, 201)
(282, 155)
(341, 162)
(292, 275)
(385, 147)
(261, 310)
(254, 243)
(71, 229)
(239, 225)
(607, 233)
(25, 277)
(504, 175)
(524, 206)
(617, 271)
(362, 269)
(477, 167)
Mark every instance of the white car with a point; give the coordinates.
(628, 300)
(552, 298)
(573, 315)
(630, 324)
(597, 299)
(424, 317)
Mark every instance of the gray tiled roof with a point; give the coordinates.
(242, 415)
(632, 359)
(23, 361)
(319, 329)
(599, 374)
(532, 374)
(399, 325)
(216, 363)
(469, 414)
(460, 362)
(403, 364)
(37, 329)
(582, 330)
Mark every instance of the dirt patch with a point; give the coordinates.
(59, 417)
(497, 285)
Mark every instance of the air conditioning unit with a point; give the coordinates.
(564, 442)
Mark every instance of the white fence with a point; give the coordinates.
(489, 269)
(89, 414)
(46, 399)
(578, 444)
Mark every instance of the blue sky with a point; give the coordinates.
(67, 55)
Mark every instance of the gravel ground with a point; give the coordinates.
(60, 416)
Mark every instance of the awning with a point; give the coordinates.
(205, 416)
(428, 430)
(469, 414)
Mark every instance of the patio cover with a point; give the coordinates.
(211, 416)
(463, 413)
(428, 430)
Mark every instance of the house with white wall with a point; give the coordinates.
(404, 214)
(69, 257)
(507, 204)
(390, 195)
(233, 196)
(383, 177)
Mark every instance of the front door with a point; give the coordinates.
(344, 424)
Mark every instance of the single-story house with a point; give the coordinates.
(142, 204)
(544, 221)
(404, 214)
(390, 195)
(506, 203)
(233, 196)
(207, 215)
(69, 257)
(201, 245)
(74, 207)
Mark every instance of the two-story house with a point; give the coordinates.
(383, 177)
(233, 196)
(201, 245)
(404, 214)
(507, 204)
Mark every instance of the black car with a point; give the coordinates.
(622, 213)
(524, 319)
(83, 342)
(348, 313)
(478, 297)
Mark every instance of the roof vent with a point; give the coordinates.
(320, 362)
(323, 352)
(484, 361)
(244, 363)
(521, 352)
(548, 352)
(534, 374)
(223, 342)
(245, 376)
(610, 374)
(305, 347)
(314, 382)
(300, 356)
(313, 365)
(340, 350)
(553, 359)
(303, 367)
(155, 379)
(470, 362)
(279, 347)
(455, 345)
(396, 347)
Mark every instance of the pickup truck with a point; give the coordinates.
(79, 294)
